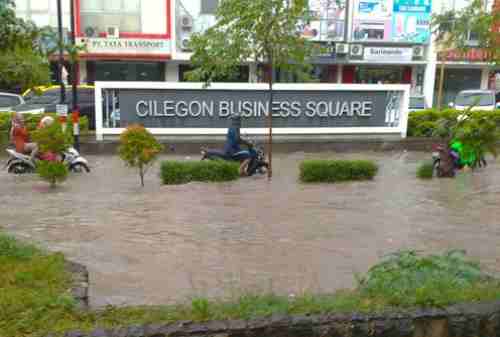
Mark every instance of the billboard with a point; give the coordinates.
(325, 20)
(411, 21)
(372, 20)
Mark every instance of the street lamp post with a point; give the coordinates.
(75, 112)
(61, 52)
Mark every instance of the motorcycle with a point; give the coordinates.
(447, 161)
(260, 164)
(19, 163)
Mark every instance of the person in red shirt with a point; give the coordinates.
(20, 137)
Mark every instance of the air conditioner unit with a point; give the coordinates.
(356, 50)
(186, 22)
(341, 48)
(418, 51)
(185, 44)
(113, 32)
(91, 31)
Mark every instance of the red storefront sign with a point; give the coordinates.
(473, 55)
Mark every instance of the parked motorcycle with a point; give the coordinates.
(19, 163)
(260, 166)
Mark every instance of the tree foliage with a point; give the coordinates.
(52, 138)
(139, 148)
(263, 31)
(453, 29)
(22, 62)
(476, 130)
(52, 172)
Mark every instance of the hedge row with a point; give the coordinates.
(424, 123)
(181, 172)
(331, 171)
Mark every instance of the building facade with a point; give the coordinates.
(470, 70)
(364, 41)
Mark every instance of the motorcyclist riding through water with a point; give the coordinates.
(233, 151)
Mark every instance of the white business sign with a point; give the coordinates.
(388, 54)
(62, 110)
(126, 46)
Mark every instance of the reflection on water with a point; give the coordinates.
(161, 244)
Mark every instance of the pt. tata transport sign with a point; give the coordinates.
(306, 108)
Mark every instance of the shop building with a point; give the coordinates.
(125, 40)
(380, 41)
(470, 70)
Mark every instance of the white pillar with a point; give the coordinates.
(485, 78)
(82, 65)
(252, 76)
(172, 72)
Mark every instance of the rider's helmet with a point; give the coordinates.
(46, 121)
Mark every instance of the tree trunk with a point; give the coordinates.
(270, 120)
(141, 173)
(441, 84)
(53, 183)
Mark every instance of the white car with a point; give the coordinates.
(9, 101)
(476, 100)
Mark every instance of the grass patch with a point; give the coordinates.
(331, 171)
(181, 172)
(34, 299)
(425, 170)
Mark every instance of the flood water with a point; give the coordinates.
(166, 243)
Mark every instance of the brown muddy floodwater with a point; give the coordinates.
(167, 243)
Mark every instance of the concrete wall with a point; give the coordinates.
(154, 17)
(477, 320)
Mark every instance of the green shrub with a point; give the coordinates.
(139, 148)
(177, 172)
(32, 120)
(331, 171)
(425, 123)
(52, 171)
(407, 279)
(425, 170)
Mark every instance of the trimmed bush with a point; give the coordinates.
(425, 170)
(52, 172)
(425, 123)
(331, 171)
(182, 172)
(139, 149)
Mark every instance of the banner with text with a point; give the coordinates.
(182, 108)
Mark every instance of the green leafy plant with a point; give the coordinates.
(177, 172)
(52, 171)
(139, 148)
(52, 138)
(407, 279)
(331, 171)
(425, 170)
(477, 131)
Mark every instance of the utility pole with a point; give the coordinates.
(75, 113)
(346, 20)
(61, 52)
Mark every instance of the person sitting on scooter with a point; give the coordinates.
(20, 137)
(233, 150)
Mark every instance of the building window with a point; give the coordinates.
(98, 15)
(209, 6)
